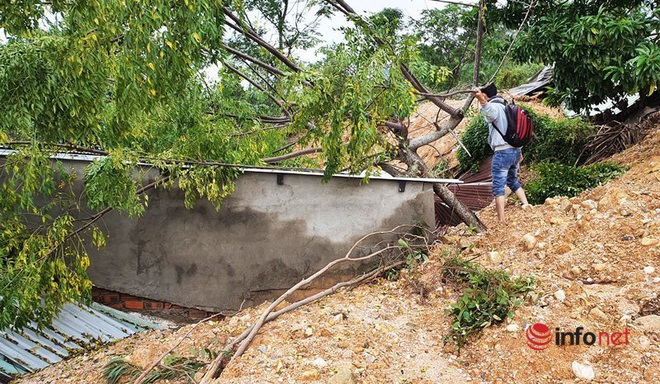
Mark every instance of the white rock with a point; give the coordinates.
(529, 242)
(319, 362)
(512, 327)
(648, 241)
(560, 295)
(649, 323)
(649, 270)
(644, 342)
(583, 371)
(590, 204)
(495, 257)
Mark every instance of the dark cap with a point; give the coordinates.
(489, 90)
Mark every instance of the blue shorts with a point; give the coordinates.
(505, 170)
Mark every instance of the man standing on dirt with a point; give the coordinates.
(506, 158)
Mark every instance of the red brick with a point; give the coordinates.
(133, 304)
(153, 305)
(109, 298)
(197, 314)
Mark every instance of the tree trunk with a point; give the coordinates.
(468, 217)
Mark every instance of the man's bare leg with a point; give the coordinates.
(499, 207)
(520, 193)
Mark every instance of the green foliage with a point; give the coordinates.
(413, 256)
(358, 88)
(475, 139)
(599, 49)
(553, 179)
(117, 369)
(109, 183)
(172, 368)
(37, 252)
(559, 140)
(489, 297)
(512, 75)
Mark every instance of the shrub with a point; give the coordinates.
(514, 75)
(489, 297)
(557, 140)
(554, 179)
(475, 139)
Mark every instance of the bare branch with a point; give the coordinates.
(278, 159)
(256, 85)
(249, 58)
(249, 33)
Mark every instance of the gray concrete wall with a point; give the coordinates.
(266, 237)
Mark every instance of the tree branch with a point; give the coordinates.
(279, 159)
(249, 33)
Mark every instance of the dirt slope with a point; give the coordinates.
(597, 262)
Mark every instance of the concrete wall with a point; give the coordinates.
(271, 233)
(265, 238)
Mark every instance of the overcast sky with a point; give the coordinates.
(411, 8)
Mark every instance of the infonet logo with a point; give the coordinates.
(539, 337)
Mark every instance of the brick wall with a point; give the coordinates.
(126, 302)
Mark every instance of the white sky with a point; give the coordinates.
(329, 28)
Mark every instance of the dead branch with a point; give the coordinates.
(216, 364)
(248, 335)
(277, 159)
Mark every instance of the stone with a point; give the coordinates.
(611, 199)
(649, 270)
(583, 371)
(576, 271)
(650, 323)
(556, 220)
(310, 375)
(513, 327)
(644, 342)
(345, 374)
(319, 362)
(648, 241)
(590, 204)
(600, 267)
(598, 315)
(551, 201)
(495, 257)
(560, 295)
(529, 242)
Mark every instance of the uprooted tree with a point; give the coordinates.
(126, 80)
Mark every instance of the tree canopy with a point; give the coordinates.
(599, 49)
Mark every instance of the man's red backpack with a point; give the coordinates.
(520, 125)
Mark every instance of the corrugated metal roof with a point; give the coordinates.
(77, 327)
(476, 193)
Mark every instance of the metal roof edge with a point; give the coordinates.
(257, 169)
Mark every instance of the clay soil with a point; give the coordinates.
(596, 261)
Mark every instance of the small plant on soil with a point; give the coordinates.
(489, 297)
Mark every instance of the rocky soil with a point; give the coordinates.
(596, 259)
